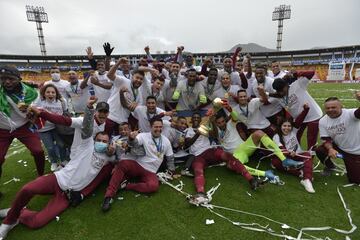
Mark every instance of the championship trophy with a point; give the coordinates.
(205, 128)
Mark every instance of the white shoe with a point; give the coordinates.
(5, 228)
(4, 212)
(308, 185)
(53, 167)
(186, 172)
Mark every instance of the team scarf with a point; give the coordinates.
(28, 95)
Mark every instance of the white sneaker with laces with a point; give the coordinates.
(308, 185)
(4, 212)
(53, 167)
(5, 228)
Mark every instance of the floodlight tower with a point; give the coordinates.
(38, 15)
(279, 14)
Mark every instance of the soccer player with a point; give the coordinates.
(76, 93)
(293, 98)
(276, 71)
(89, 157)
(189, 93)
(119, 113)
(227, 90)
(15, 98)
(100, 82)
(340, 131)
(211, 85)
(170, 86)
(144, 168)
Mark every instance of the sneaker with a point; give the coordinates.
(75, 198)
(327, 171)
(5, 228)
(289, 163)
(308, 185)
(199, 199)
(106, 204)
(53, 167)
(123, 184)
(255, 183)
(186, 172)
(4, 212)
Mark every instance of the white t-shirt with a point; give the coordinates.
(234, 76)
(251, 115)
(85, 163)
(343, 130)
(222, 93)
(200, 145)
(210, 89)
(250, 81)
(141, 114)
(54, 106)
(61, 85)
(153, 159)
(77, 97)
(280, 74)
(160, 96)
(230, 138)
(16, 119)
(175, 137)
(290, 141)
(189, 96)
(101, 93)
(298, 96)
(117, 112)
(272, 108)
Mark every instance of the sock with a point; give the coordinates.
(255, 172)
(270, 144)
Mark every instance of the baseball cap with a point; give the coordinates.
(10, 71)
(102, 107)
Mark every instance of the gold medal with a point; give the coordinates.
(226, 95)
(158, 154)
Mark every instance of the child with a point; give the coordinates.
(50, 99)
(287, 140)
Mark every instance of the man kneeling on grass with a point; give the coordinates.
(144, 168)
(87, 167)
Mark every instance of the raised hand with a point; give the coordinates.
(133, 135)
(89, 53)
(92, 100)
(108, 49)
(147, 49)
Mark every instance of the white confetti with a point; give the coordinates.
(248, 193)
(285, 226)
(19, 161)
(209, 221)
(137, 195)
(192, 237)
(120, 198)
(217, 179)
(325, 183)
(57, 218)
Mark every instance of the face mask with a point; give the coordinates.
(55, 76)
(100, 147)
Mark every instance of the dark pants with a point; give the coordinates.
(312, 133)
(29, 139)
(307, 169)
(352, 162)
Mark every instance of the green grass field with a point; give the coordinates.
(167, 215)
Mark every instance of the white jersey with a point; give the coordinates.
(155, 149)
(251, 115)
(189, 96)
(227, 94)
(272, 108)
(343, 130)
(101, 93)
(297, 97)
(210, 89)
(234, 76)
(176, 138)
(61, 85)
(117, 112)
(55, 106)
(290, 141)
(16, 119)
(280, 74)
(85, 163)
(77, 97)
(230, 138)
(160, 96)
(201, 144)
(143, 117)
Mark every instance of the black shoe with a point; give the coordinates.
(254, 183)
(106, 204)
(75, 198)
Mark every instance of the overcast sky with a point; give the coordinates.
(199, 25)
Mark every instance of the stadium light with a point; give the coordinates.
(38, 15)
(279, 14)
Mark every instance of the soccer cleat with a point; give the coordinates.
(199, 199)
(308, 185)
(289, 163)
(54, 167)
(186, 172)
(254, 183)
(106, 204)
(5, 229)
(270, 175)
(4, 212)
(327, 171)
(75, 198)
